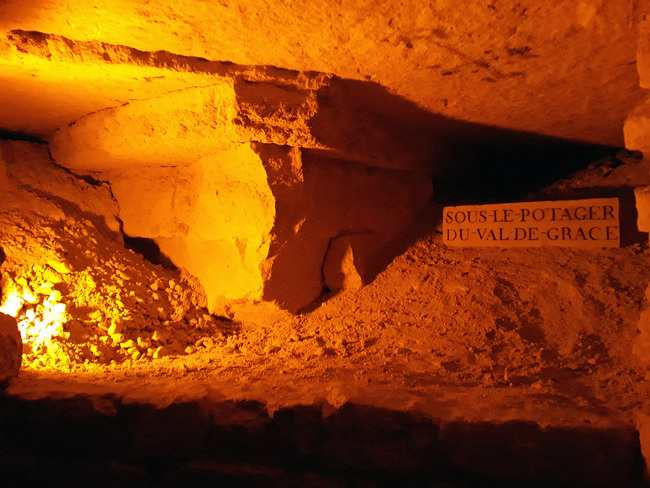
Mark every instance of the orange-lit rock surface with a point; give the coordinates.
(115, 88)
(11, 348)
(222, 178)
(545, 319)
(561, 69)
(285, 164)
(489, 344)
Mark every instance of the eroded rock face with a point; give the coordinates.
(11, 348)
(32, 184)
(371, 209)
(250, 185)
(212, 217)
(637, 128)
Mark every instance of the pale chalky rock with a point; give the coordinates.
(642, 196)
(339, 270)
(643, 54)
(637, 129)
(11, 348)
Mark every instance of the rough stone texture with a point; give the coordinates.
(637, 128)
(158, 102)
(339, 270)
(375, 210)
(11, 348)
(642, 198)
(219, 178)
(348, 120)
(170, 130)
(562, 69)
(33, 184)
(643, 53)
(212, 217)
(642, 342)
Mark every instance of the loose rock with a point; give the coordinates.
(11, 348)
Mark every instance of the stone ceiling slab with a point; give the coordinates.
(563, 69)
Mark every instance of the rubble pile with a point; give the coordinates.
(79, 297)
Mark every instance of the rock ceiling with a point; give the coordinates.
(562, 69)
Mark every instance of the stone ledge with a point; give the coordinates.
(80, 437)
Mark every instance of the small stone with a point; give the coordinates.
(155, 296)
(115, 328)
(144, 343)
(190, 350)
(59, 267)
(136, 355)
(154, 286)
(172, 284)
(11, 348)
(118, 338)
(30, 297)
(128, 344)
(13, 305)
(161, 352)
(55, 296)
(44, 289)
(206, 342)
(58, 308)
(160, 336)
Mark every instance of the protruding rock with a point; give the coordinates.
(11, 348)
(643, 54)
(637, 129)
(374, 209)
(339, 268)
(642, 195)
(259, 179)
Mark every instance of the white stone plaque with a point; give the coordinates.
(568, 223)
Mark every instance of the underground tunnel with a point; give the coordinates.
(336, 244)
